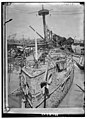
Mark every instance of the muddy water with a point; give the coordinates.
(75, 97)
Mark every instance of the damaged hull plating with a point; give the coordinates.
(50, 94)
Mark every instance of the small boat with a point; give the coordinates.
(80, 66)
(81, 63)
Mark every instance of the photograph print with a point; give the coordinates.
(43, 58)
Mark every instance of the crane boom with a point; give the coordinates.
(36, 32)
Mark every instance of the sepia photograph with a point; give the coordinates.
(43, 58)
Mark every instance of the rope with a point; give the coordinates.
(14, 91)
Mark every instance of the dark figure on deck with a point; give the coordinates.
(58, 68)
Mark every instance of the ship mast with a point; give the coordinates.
(42, 13)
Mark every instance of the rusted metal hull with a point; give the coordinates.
(57, 90)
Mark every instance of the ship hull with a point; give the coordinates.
(58, 94)
(57, 90)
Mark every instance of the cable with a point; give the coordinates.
(68, 11)
(68, 14)
(24, 11)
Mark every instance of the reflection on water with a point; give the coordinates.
(13, 78)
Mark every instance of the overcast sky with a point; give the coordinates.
(65, 19)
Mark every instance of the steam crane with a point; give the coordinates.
(42, 13)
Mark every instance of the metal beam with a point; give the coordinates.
(36, 32)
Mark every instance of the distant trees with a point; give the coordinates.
(58, 40)
(62, 40)
(70, 41)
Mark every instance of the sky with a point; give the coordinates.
(64, 19)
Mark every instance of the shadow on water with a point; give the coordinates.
(13, 78)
